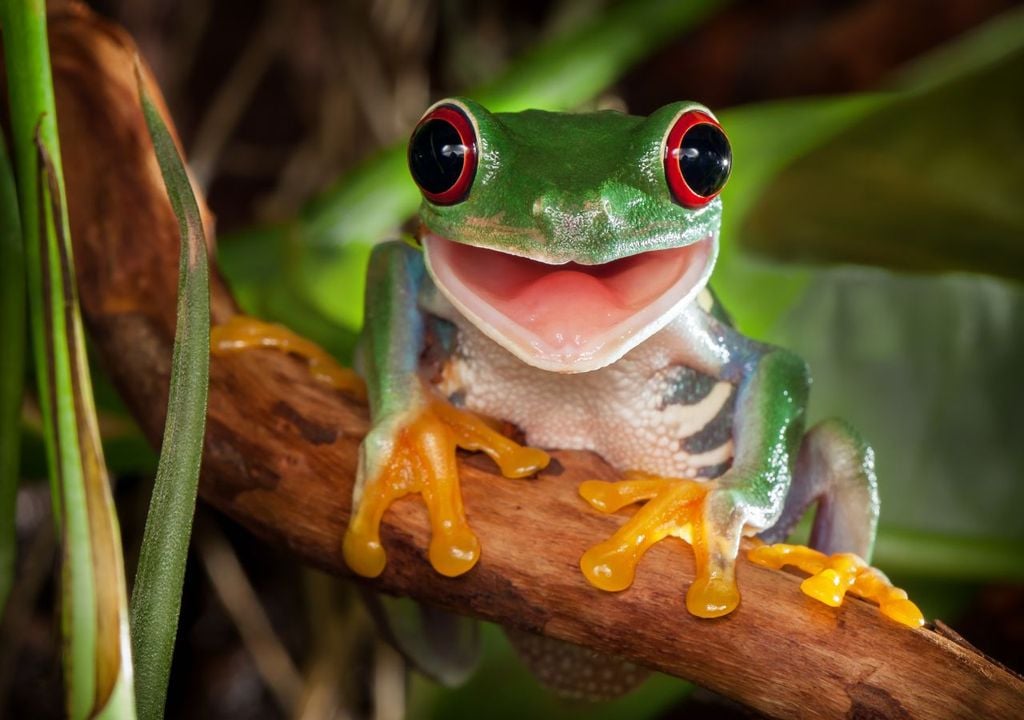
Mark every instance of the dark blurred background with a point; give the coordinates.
(275, 100)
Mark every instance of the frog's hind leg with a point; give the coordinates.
(242, 333)
(572, 672)
(835, 468)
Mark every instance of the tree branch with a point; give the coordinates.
(281, 455)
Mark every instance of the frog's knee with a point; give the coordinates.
(840, 433)
(834, 448)
(837, 467)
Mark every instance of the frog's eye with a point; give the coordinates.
(697, 159)
(442, 155)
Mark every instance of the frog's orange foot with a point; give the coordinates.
(419, 457)
(674, 507)
(242, 332)
(832, 576)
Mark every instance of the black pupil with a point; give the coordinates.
(705, 159)
(436, 156)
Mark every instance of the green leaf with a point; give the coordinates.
(12, 370)
(923, 366)
(319, 261)
(765, 139)
(928, 181)
(156, 597)
(94, 609)
(928, 368)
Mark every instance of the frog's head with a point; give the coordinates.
(569, 239)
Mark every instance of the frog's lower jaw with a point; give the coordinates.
(569, 318)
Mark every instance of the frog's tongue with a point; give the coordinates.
(570, 317)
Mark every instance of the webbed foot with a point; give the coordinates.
(415, 453)
(242, 332)
(832, 576)
(674, 507)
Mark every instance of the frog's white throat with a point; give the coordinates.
(569, 318)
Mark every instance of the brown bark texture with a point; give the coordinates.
(281, 452)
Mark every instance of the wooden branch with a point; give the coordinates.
(281, 455)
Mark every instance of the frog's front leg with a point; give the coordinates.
(835, 470)
(413, 451)
(412, 443)
(713, 515)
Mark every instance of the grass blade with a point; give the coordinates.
(156, 597)
(93, 603)
(92, 523)
(12, 366)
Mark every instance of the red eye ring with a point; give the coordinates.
(718, 155)
(444, 177)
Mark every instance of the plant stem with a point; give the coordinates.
(97, 658)
(12, 367)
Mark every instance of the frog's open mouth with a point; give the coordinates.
(569, 317)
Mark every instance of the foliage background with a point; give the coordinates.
(912, 169)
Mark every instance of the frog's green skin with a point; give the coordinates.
(589, 189)
(586, 188)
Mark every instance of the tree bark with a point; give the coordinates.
(281, 452)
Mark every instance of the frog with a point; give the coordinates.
(559, 281)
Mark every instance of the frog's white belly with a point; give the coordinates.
(644, 412)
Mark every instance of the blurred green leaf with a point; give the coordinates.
(924, 366)
(12, 368)
(156, 597)
(765, 138)
(934, 174)
(978, 49)
(97, 658)
(319, 261)
(929, 369)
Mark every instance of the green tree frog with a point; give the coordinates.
(560, 283)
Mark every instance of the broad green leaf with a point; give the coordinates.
(923, 366)
(12, 366)
(156, 597)
(928, 368)
(97, 656)
(765, 139)
(929, 181)
(319, 260)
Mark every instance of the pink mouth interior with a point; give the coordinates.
(568, 309)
